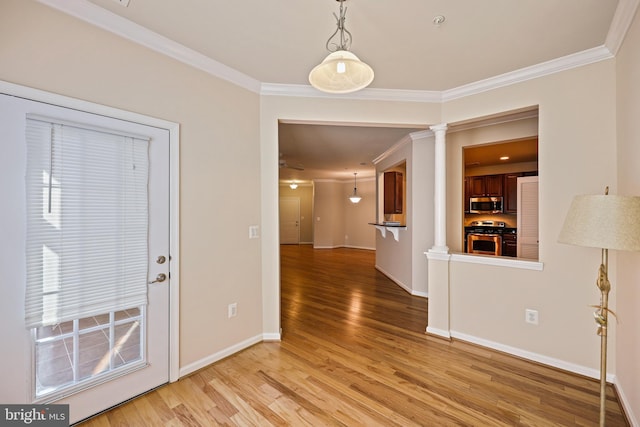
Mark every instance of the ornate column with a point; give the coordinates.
(440, 190)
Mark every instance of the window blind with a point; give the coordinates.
(87, 221)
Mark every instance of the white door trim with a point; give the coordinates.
(174, 192)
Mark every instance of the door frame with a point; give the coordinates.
(174, 192)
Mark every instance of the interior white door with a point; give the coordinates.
(289, 220)
(144, 330)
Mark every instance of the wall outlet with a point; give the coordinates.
(233, 310)
(531, 316)
(254, 232)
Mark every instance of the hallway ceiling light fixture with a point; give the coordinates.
(293, 185)
(354, 197)
(341, 71)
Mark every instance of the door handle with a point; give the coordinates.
(159, 278)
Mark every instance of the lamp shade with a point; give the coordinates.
(341, 72)
(603, 221)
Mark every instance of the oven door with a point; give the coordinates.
(486, 244)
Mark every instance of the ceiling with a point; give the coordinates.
(279, 42)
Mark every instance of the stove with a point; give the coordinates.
(486, 237)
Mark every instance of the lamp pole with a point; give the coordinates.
(601, 316)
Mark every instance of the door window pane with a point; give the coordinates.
(71, 355)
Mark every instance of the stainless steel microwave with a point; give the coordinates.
(485, 205)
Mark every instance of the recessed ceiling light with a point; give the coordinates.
(504, 158)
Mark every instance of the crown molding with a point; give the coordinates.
(109, 21)
(371, 94)
(574, 60)
(620, 24)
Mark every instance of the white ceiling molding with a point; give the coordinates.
(620, 24)
(496, 119)
(574, 60)
(395, 147)
(308, 91)
(124, 28)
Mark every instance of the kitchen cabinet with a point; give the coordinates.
(393, 192)
(467, 195)
(487, 185)
(509, 245)
(511, 192)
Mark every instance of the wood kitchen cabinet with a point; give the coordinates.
(511, 192)
(393, 192)
(487, 185)
(509, 245)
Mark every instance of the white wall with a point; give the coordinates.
(627, 283)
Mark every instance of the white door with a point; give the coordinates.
(527, 217)
(95, 362)
(289, 220)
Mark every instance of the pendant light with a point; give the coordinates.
(341, 71)
(354, 197)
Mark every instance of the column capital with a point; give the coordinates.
(442, 127)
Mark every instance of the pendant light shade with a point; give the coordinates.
(354, 196)
(341, 72)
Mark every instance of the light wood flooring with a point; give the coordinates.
(354, 353)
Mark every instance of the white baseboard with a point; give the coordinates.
(395, 280)
(359, 247)
(344, 246)
(199, 364)
(438, 332)
(271, 337)
(535, 357)
(626, 405)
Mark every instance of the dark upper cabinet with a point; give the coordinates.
(393, 192)
(488, 185)
(511, 192)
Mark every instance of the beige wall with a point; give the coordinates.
(337, 221)
(274, 108)
(627, 283)
(358, 233)
(403, 260)
(576, 156)
(45, 49)
(394, 258)
(305, 193)
(456, 141)
(328, 214)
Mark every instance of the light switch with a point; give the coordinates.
(253, 232)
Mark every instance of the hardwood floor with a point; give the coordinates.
(354, 353)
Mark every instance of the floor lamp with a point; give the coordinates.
(604, 222)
